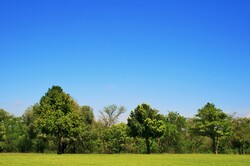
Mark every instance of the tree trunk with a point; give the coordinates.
(74, 148)
(148, 145)
(63, 147)
(215, 144)
(59, 146)
(239, 149)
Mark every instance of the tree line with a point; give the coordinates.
(57, 124)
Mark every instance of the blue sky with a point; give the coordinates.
(174, 55)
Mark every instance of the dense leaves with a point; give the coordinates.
(241, 134)
(57, 124)
(146, 123)
(212, 122)
(58, 116)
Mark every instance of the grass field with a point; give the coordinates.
(16, 159)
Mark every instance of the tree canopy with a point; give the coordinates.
(58, 115)
(146, 122)
(58, 124)
(212, 122)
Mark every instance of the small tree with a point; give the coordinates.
(146, 123)
(110, 114)
(212, 122)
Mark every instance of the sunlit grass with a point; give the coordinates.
(9, 159)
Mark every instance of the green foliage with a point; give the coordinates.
(58, 124)
(172, 140)
(58, 115)
(241, 134)
(135, 145)
(196, 143)
(212, 122)
(115, 138)
(87, 114)
(146, 123)
(3, 118)
(14, 132)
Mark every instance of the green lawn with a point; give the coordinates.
(123, 159)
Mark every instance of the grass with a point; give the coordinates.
(19, 159)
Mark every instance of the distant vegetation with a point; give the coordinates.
(57, 124)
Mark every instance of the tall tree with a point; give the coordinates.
(58, 115)
(146, 123)
(110, 114)
(212, 122)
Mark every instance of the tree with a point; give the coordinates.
(173, 138)
(241, 133)
(195, 143)
(114, 138)
(27, 140)
(118, 137)
(82, 141)
(3, 118)
(110, 114)
(14, 133)
(212, 122)
(11, 132)
(87, 114)
(58, 116)
(146, 123)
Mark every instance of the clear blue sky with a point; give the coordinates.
(174, 55)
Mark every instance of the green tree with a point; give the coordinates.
(146, 123)
(196, 143)
(14, 134)
(110, 114)
(3, 118)
(82, 141)
(28, 138)
(2, 137)
(241, 134)
(173, 138)
(87, 114)
(58, 116)
(114, 138)
(212, 122)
